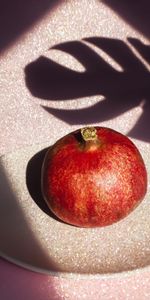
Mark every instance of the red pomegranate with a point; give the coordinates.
(93, 176)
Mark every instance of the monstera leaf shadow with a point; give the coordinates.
(122, 89)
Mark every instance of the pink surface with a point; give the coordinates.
(26, 119)
(17, 283)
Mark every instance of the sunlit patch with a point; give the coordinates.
(65, 59)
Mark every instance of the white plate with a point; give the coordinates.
(32, 237)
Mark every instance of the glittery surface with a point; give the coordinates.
(29, 117)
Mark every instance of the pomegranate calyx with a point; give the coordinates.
(90, 138)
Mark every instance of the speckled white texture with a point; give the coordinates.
(24, 122)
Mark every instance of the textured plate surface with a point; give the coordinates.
(30, 235)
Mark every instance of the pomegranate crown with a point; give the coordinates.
(89, 133)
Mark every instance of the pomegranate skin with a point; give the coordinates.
(93, 182)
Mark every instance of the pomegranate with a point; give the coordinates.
(93, 176)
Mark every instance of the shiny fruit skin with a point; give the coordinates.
(93, 184)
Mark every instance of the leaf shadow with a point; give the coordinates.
(122, 90)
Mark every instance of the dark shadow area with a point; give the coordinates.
(122, 90)
(136, 13)
(19, 284)
(33, 181)
(17, 240)
(17, 16)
